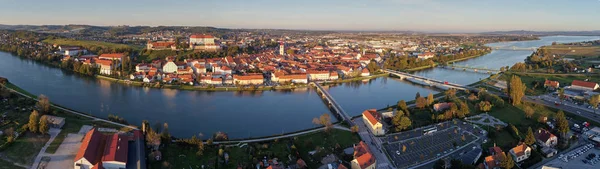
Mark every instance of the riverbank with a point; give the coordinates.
(455, 60)
(237, 88)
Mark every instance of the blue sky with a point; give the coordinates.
(416, 15)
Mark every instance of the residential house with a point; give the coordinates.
(106, 66)
(545, 138)
(494, 160)
(552, 85)
(161, 45)
(112, 56)
(425, 55)
(373, 121)
(583, 85)
(520, 152)
(438, 107)
(316, 75)
(365, 72)
(363, 159)
(169, 67)
(256, 79)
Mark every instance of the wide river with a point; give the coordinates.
(240, 114)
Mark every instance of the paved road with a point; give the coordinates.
(576, 110)
(53, 133)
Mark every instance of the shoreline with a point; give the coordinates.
(437, 64)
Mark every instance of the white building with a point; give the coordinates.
(169, 67)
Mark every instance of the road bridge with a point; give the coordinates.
(333, 104)
(514, 48)
(470, 68)
(430, 81)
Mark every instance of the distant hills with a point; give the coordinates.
(545, 33)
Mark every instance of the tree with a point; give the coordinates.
(429, 99)
(450, 93)
(528, 111)
(405, 122)
(354, 129)
(508, 162)
(402, 105)
(153, 139)
(43, 128)
(34, 118)
(421, 102)
(324, 120)
(516, 90)
(594, 101)
(417, 95)
(529, 139)
(209, 141)
(485, 106)
(561, 94)
(464, 110)
(43, 104)
(515, 130)
(165, 135)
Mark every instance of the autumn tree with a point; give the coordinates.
(354, 129)
(34, 118)
(561, 94)
(528, 111)
(563, 127)
(402, 105)
(421, 102)
(43, 104)
(450, 93)
(430, 99)
(594, 101)
(485, 106)
(508, 162)
(464, 110)
(43, 128)
(529, 139)
(153, 139)
(324, 120)
(516, 90)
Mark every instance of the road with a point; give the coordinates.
(576, 110)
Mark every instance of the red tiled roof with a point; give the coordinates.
(202, 36)
(104, 62)
(363, 155)
(112, 55)
(551, 83)
(371, 115)
(90, 147)
(116, 148)
(249, 77)
(543, 135)
(591, 85)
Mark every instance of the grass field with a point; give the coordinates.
(8, 165)
(565, 80)
(26, 148)
(182, 156)
(90, 44)
(573, 50)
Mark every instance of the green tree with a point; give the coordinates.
(43, 128)
(508, 162)
(516, 90)
(594, 101)
(529, 139)
(34, 119)
(430, 99)
(405, 123)
(402, 105)
(515, 130)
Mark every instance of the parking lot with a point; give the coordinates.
(416, 150)
(579, 158)
(63, 158)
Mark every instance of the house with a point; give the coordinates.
(161, 45)
(106, 66)
(112, 56)
(438, 107)
(520, 152)
(169, 67)
(110, 151)
(365, 72)
(552, 85)
(425, 55)
(583, 85)
(55, 122)
(545, 138)
(494, 160)
(373, 121)
(316, 75)
(294, 78)
(249, 79)
(548, 152)
(363, 159)
(90, 151)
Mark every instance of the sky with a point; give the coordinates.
(360, 15)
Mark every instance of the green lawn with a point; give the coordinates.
(183, 156)
(8, 165)
(25, 148)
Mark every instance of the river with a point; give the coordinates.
(240, 114)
